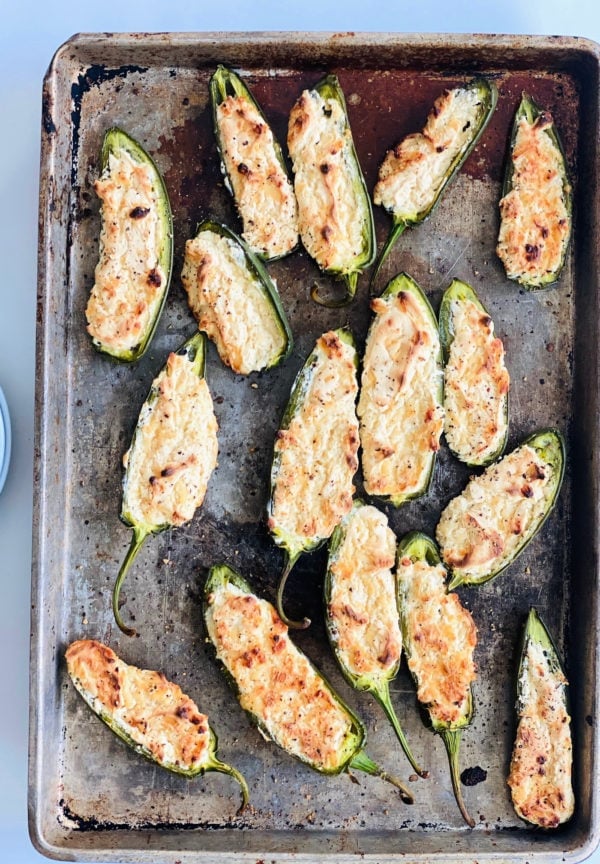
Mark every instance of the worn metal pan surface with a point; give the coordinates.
(90, 798)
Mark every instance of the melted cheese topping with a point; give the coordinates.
(152, 711)
(401, 418)
(440, 641)
(332, 226)
(174, 450)
(540, 768)
(475, 386)
(262, 190)
(413, 173)
(534, 220)
(362, 607)
(129, 280)
(316, 457)
(483, 527)
(230, 303)
(276, 682)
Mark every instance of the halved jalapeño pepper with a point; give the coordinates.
(336, 220)
(234, 300)
(483, 530)
(285, 696)
(415, 173)
(542, 757)
(476, 380)
(439, 640)
(136, 250)
(400, 404)
(152, 715)
(315, 454)
(361, 608)
(172, 455)
(536, 209)
(254, 168)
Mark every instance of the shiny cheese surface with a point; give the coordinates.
(230, 304)
(540, 768)
(412, 174)
(332, 227)
(476, 385)
(262, 190)
(362, 607)
(316, 458)
(534, 220)
(174, 450)
(150, 710)
(401, 417)
(440, 641)
(481, 529)
(129, 280)
(276, 682)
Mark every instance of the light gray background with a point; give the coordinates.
(29, 34)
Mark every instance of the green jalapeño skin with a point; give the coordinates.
(483, 530)
(315, 455)
(536, 208)
(284, 695)
(150, 714)
(476, 381)
(335, 215)
(361, 608)
(234, 300)
(254, 168)
(172, 455)
(439, 639)
(136, 250)
(414, 175)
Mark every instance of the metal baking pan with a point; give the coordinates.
(92, 799)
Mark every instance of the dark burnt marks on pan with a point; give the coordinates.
(91, 823)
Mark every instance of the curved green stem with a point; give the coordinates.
(351, 280)
(451, 738)
(382, 694)
(361, 762)
(139, 535)
(293, 625)
(224, 768)
(396, 231)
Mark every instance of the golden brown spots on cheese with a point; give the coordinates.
(440, 640)
(476, 383)
(151, 710)
(476, 531)
(279, 686)
(401, 417)
(540, 768)
(316, 457)
(325, 178)
(535, 223)
(412, 174)
(128, 282)
(262, 190)
(362, 611)
(230, 304)
(174, 451)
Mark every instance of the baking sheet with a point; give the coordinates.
(90, 798)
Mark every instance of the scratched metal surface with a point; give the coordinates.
(90, 798)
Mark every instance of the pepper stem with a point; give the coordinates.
(361, 762)
(293, 625)
(350, 279)
(451, 738)
(382, 694)
(396, 231)
(224, 768)
(139, 535)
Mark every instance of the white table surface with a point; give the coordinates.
(29, 34)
